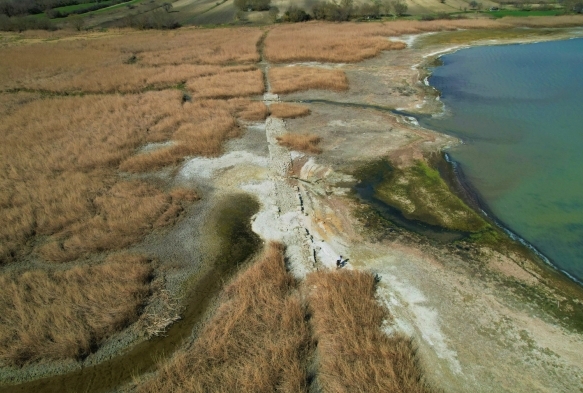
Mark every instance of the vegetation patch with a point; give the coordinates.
(108, 66)
(420, 194)
(354, 354)
(349, 42)
(324, 42)
(262, 337)
(60, 156)
(307, 143)
(257, 341)
(235, 84)
(290, 79)
(67, 314)
(284, 110)
(62, 149)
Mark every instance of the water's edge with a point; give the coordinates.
(465, 189)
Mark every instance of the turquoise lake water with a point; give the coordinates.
(519, 111)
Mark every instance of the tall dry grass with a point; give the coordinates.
(119, 78)
(235, 84)
(290, 79)
(127, 62)
(59, 157)
(66, 314)
(61, 194)
(257, 341)
(246, 109)
(327, 42)
(198, 128)
(121, 216)
(308, 143)
(353, 353)
(284, 110)
(353, 42)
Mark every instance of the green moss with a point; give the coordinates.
(489, 236)
(420, 194)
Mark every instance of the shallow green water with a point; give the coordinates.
(519, 110)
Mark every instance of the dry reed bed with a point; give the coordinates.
(256, 342)
(235, 84)
(199, 128)
(354, 354)
(66, 314)
(307, 143)
(61, 196)
(260, 338)
(59, 158)
(127, 62)
(290, 79)
(123, 78)
(353, 42)
(284, 110)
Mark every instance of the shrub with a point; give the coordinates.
(273, 14)
(24, 23)
(295, 14)
(400, 8)
(336, 12)
(369, 10)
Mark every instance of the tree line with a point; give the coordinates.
(329, 10)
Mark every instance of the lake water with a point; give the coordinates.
(519, 111)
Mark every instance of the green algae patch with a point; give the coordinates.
(420, 194)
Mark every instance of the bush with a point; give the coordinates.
(295, 14)
(400, 8)
(336, 12)
(575, 6)
(369, 10)
(24, 23)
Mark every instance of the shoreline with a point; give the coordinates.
(470, 194)
(477, 202)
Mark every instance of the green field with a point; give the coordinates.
(524, 13)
